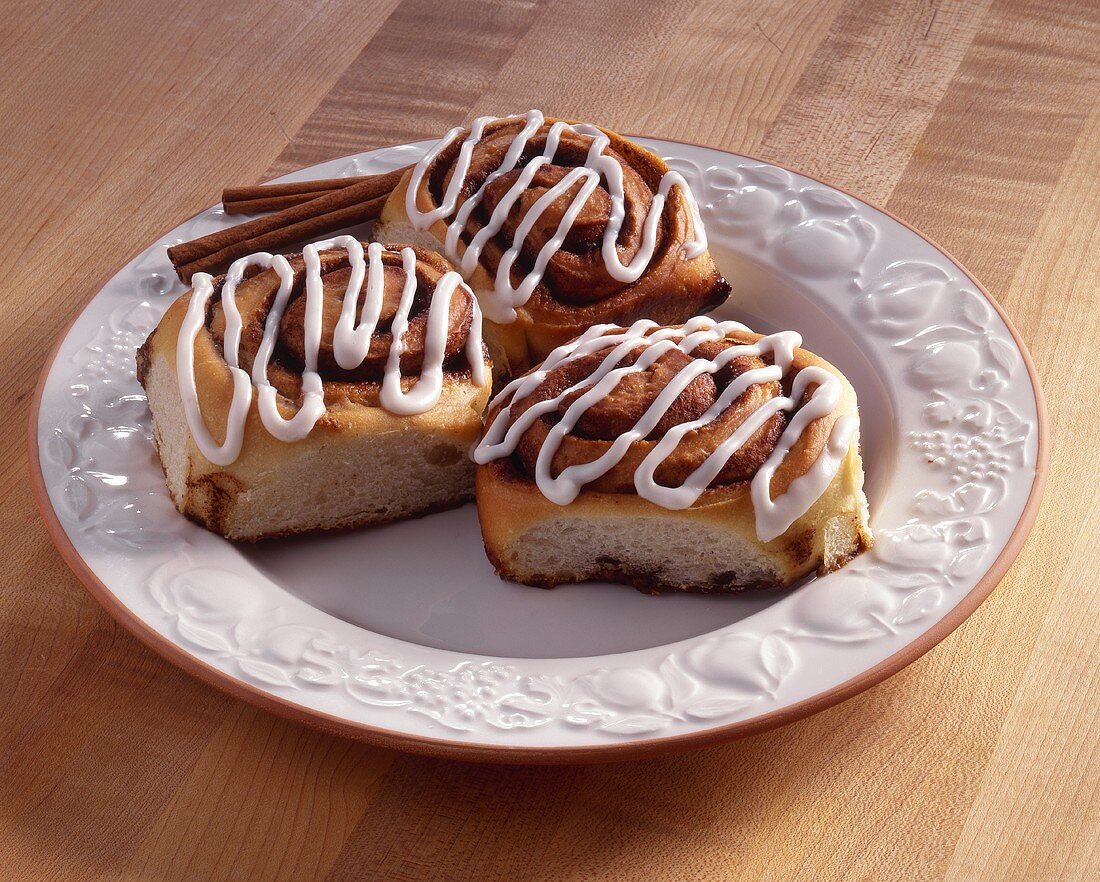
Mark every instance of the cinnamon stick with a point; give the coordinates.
(264, 204)
(345, 206)
(274, 233)
(275, 197)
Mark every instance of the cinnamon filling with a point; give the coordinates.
(256, 295)
(619, 411)
(576, 272)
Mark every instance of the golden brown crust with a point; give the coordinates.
(511, 510)
(576, 291)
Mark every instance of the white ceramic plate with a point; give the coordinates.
(403, 634)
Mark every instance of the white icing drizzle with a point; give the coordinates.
(351, 342)
(773, 516)
(500, 304)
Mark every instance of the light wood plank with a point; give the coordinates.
(997, 143)
(1045, 771)
(869, 90)
(304, 789)
(413, 81)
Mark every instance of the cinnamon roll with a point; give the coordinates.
(557, 226)
(335, 388)
(700, 457)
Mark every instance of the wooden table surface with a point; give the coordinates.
(978, 122)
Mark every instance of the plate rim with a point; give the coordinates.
(579, 754)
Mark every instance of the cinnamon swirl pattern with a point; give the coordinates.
(667, 412)
(380, 286)
(558, 226)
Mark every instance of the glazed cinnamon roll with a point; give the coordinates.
(700, 457)
(557, 226)
(329, 389)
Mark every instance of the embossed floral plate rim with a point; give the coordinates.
(750, 668)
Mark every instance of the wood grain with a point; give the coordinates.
(977, 121)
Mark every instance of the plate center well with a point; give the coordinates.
(428, 581)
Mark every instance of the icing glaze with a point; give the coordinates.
(500, 304)
(351, 342)
(773, 516)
